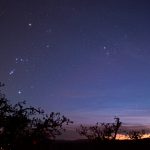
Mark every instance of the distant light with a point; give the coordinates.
(21, 60)
(32, 87)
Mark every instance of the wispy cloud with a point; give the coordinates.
(127, 116)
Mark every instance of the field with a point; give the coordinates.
(89, 145)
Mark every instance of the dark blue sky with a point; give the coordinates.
(88, 59)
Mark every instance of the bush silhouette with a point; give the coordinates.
(135, 134)
(19, 122)
(101, 131)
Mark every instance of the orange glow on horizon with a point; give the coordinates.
(125, 137)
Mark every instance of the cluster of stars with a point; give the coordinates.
(18, 61)
(21, 60)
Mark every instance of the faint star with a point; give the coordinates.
(47, 46)
(49, 30)
(32, 87)
(105, 47)
(107, 53)
(17, 60)
(27, 70)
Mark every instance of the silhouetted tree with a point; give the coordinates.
(135, 134)
(49, 126)
(116, 126)
(101, 131)
(19, 122)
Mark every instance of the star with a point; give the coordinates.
(12, 72)
(21, 60)
(32, 87)
(29, 24)
(49, 30)
(107, 53)
(105, 47)
(27, 60)
(19, 92)
(47, 46)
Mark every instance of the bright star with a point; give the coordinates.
(19, 92)
(29, 24)
(12, 72)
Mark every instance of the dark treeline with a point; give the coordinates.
(27, 127)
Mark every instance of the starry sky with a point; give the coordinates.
(87, 59)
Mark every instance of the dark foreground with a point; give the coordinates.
(88, 145)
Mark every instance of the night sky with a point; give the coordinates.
(87, 59)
